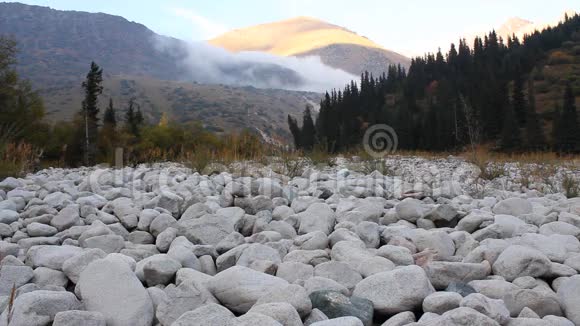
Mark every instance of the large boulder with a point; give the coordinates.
(79, 317)
(282, 312)
(50, 256)
(208, 229)
(211, 314)
(335, 304)
(317, 217)
(441, 273)
(292, 294)
(568, 293)
(238, 288)
(517, 261)
(110, 287)
(399, 290)
(513, 206)
(187, 296)
(38, 308)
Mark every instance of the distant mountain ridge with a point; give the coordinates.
(305, 36)
(56, 48)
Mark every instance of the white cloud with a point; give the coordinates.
(206, 27)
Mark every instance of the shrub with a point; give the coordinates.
(571, 186)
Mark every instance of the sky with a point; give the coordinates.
(410, 27)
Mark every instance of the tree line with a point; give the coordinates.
(483, 94)
(93, 134)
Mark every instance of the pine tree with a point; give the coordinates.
(110, 119)
(133, 118)
(92, 88)
(568, 130)
(510, 136)
(296, 132)
(308, 130)
(108, 137)
(519, 100)
(534, 132)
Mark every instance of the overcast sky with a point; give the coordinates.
(406, 26)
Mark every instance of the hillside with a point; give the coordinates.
(221, 108)
(304, 36)
(56, 48)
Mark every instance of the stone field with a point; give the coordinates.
(425, 242)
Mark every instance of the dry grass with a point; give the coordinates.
(571, 186)
(11, 304)
(18, 159)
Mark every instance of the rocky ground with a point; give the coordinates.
(428, 243)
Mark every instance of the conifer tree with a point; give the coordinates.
(110, 119)
(568, 132)
(519, 100)
(90, 110)
(510, 136)
(134, 118)
(308, 130)
(296, 132)
(534, 132)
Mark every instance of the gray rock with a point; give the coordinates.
(109, 243)
(400, 319)
(15, 276)
(411, 210)
(342, 321)
(441, 274)
(160, 223)
(40, 230)
(317, 217)
(66, 218)
(8, 216)
(211, 314)
(293, 271)
(254, 319)
(157, 269)
(441, 302)
(513, 206)
(569, 299)
(320, 283)
(312, 241)
(50, 256)
(79, 318)
(518, 261)
(399, 290)
(38, 308)
(282, 312)
(73, 266)
(187, 296)
(462, 288)
(292, 294)
(463, 316)
(111, 288)
(398, 255)
(141, 237)
(335, 304)
(315, 316)
(339, 272)
(238, 288)
(165, 238)
(208, 229)
(492, 308)
(44, 277)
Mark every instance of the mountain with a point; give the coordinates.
(56, 48)
(303, 36)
